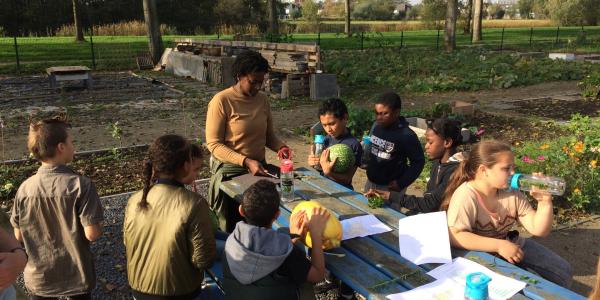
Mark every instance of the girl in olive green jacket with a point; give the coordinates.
(168, 235)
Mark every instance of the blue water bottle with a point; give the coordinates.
(477, 286)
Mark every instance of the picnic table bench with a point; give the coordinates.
(66, 73)
(372, 265)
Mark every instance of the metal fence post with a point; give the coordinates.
(557, 32)
(17, 53)
(502, 40)
(530, 37)
(362, 41)
(92, 47)
(437, 41)
(401, 38)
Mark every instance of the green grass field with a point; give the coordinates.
(118, 52)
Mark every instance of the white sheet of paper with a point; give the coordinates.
(501, 287)
(424, 238)
(438, 290)
(362, 226)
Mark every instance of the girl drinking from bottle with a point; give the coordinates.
(481, 213)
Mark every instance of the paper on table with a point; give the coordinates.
(362, 226)
(501, 287)
(424, 238)
(438, 290)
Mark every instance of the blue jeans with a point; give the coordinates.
(546, 263)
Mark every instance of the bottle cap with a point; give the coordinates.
(514, 181)
(287, 166)
(366, 140)
(319, 139)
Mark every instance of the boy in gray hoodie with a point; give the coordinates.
(262, 263)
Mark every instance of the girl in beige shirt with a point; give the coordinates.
(481, 213)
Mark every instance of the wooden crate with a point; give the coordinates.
(295, 85)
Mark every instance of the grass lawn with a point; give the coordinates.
(118, 52)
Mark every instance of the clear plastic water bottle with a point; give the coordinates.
(287, 180)
(525, 182)
(319, 145)
(366, 154)
(476, 287)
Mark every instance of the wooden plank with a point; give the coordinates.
(307, 48)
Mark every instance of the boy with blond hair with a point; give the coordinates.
(56, 214)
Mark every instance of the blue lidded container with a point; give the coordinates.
(477, 286)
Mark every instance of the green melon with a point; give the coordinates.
(345, 157)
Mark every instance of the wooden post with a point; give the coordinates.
(153, 30)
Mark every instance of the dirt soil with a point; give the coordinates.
(146, 109)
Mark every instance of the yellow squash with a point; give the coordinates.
(332, 235)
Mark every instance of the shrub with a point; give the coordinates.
(574, 157)
(590, 86)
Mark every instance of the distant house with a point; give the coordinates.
(291, 8)
(401, 8)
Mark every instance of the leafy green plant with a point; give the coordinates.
(375, 201)
(117, 133)
(590, 86)
(469, 69)
(360, 120)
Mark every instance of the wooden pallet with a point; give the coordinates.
(295, 85)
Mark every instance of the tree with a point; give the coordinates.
(347, 29)
(77, 21)
(310, 13)
(374, 10)
(434, 12)
(273, 20)
(574, 12)
(153, 29)
(477, 15)
(450, 33)
(525, 8)
(333, 9)
(469, 16)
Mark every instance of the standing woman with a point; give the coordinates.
(238, 128)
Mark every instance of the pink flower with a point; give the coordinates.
(527, 159)
(541, 158)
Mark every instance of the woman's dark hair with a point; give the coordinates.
(333, 106)
(483, 153)
(260, 203)
(166, 156)
(446, 129)
(390, 99)
(249, 62)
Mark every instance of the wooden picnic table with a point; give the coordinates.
(372, 265)
(66, 73)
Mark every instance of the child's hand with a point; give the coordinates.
(385, 195)
(313, 160)
(539, 195)
(317, 222)
(325, 163)
(510, 251)
(298, 223)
